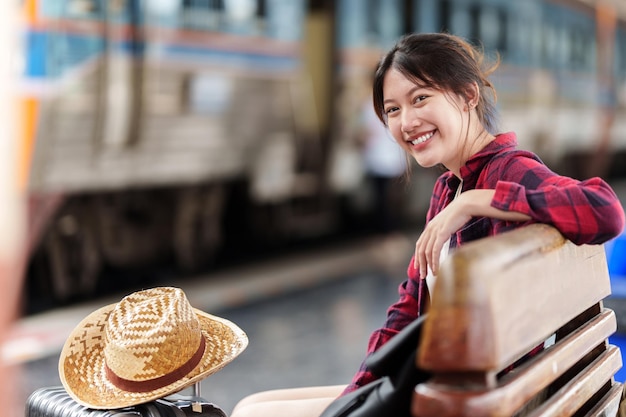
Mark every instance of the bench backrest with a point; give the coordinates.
(497, 299)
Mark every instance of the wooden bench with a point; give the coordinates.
(498, 298)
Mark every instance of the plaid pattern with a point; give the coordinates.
(585, 212)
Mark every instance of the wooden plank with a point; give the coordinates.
(497, 298)
(609, 404)
(575, 393)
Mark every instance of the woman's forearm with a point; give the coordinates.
(477, 203)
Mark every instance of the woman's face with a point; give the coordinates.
(427, 123)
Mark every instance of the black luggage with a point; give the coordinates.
(55, 402)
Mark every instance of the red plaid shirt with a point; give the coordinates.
(586, 212)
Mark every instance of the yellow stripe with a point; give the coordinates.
(30, 11)
(28, 130)
(28, 112)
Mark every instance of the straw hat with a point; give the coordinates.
(149, 345)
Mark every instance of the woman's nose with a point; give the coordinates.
(409, 121)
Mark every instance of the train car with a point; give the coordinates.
(161, 129)
(152, 121)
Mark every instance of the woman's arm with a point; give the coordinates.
(585, 212)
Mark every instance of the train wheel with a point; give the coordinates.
(73, 256)
(197, 226)
(134, 227)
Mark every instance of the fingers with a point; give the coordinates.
(435, 257)
(427, 252)
(420, 257)
(437, 232)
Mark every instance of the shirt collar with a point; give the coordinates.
(474, 166)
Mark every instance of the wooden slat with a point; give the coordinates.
(497, 298)
(609, 404)
(442, 398)
(575, 393)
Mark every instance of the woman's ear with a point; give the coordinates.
(472, 95)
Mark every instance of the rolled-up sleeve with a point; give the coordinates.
(586, 212)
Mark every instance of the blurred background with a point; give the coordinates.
(169, 142)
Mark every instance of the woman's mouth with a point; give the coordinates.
(423, 138)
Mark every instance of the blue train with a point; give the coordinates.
(154, 127)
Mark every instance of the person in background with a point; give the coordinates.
(432, 93)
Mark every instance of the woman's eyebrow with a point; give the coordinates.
(408, 93)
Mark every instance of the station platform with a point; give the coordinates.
(40, 335)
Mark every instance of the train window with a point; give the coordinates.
(241, 17)
(549, 47)
(536, 42)
(51, 8)
(162, 13)
(234, 16)
(75, 9)
(240, 11)
(162, 8)
(66, 49)
(481, 24)
(445, 16)
(83, 8)
(350, 18)
(503, 35)
(460, 21)
(124, 11)
(489, 27)
(474, 30)
(620, 60)
(390, 21)
(522, 36)
(201, 14)
(117, 6)
(280, 19)
(371, 23)
(284, 18)
(580, 48)
(203, 4)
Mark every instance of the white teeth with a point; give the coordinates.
(422, 138)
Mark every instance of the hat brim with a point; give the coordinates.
(82, 364)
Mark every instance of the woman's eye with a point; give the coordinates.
(390, 110)
(419, 98)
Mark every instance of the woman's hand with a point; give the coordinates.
(439, 230)
(471, 203)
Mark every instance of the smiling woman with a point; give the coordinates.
(433, 125)
(422, 99)
(433, 92)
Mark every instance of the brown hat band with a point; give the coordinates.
(159, 382)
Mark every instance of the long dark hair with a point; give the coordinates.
(444, 62)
